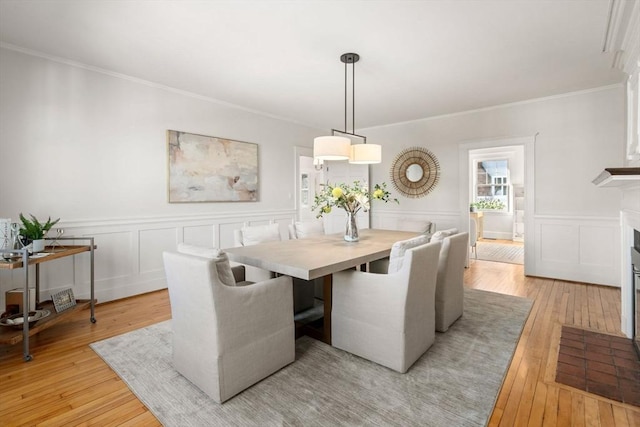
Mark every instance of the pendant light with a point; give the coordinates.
(336, 147)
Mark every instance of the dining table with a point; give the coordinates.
(319, 256)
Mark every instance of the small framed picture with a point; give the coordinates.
(63, 300)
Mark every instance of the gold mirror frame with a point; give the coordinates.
(430, 172)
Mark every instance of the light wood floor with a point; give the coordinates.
(68, 384)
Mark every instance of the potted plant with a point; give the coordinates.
(33, 231)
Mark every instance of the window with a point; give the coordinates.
(304, 190)
(492, 185)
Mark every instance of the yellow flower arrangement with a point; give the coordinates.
(351, 198)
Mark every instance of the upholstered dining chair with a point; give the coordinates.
(423, 226)
(226, 338)
(449, 287)
(303, 229)
(251, 235)
(395, 258)
(303, 290)
(388, 319)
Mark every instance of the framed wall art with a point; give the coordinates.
(63, 300)
(210, 169)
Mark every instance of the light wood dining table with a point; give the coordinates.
(319, 256)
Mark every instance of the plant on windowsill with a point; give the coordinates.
(34, 231)
(492, 204)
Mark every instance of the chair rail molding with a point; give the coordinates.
(128, 259)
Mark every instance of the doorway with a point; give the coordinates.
(496, 181)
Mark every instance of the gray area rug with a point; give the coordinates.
(512, 254)
(455, 383)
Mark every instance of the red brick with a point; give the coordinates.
(594, 348)
(571, 381)
(571, 351)
(601, 377)
(599, 357)
(601, 367)
(571, 330)
(629, 385)
(572, 343)
(631, 398)
(621, 340)
(597, 340)
(628, 373)
(627, 363)
(572, 336)
(570, 369)
(571, 360)
(627, 354)
(622, 346)
(605, 390)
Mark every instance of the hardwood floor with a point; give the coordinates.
(68, 384)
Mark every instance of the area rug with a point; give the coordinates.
(512, 254)
(603, 364)
(455, 383)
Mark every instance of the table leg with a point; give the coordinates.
(327, 290)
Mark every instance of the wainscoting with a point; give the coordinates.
(582, 249)
(128, 260)
(129, 256)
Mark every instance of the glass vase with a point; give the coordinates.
(351, 232)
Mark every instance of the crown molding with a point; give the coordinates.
(631, 41)
(149, 83)
(622, 34)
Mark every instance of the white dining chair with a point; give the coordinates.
(449, 300)
(388, 319)
(226, 338)
(396, 256)
(303, 229)
(303, 290)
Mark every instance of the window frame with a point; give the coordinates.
(496, 181)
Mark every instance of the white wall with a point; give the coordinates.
(578, 135)
(90, 148)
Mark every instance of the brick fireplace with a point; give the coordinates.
(627, 180)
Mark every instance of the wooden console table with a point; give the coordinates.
(479, 217)
(10, 335)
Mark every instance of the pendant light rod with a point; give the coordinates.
(349, 58)
(337, 147)
(353, 97)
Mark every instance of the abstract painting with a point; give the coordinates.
(209, 169)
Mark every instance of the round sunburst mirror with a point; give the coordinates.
(415, 172)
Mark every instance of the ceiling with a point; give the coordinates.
(418, 58)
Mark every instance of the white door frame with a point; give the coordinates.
(299, 152)
(529, 187)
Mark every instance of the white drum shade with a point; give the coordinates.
(362, 154)
(331, 148)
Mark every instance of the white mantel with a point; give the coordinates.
(627, 179)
